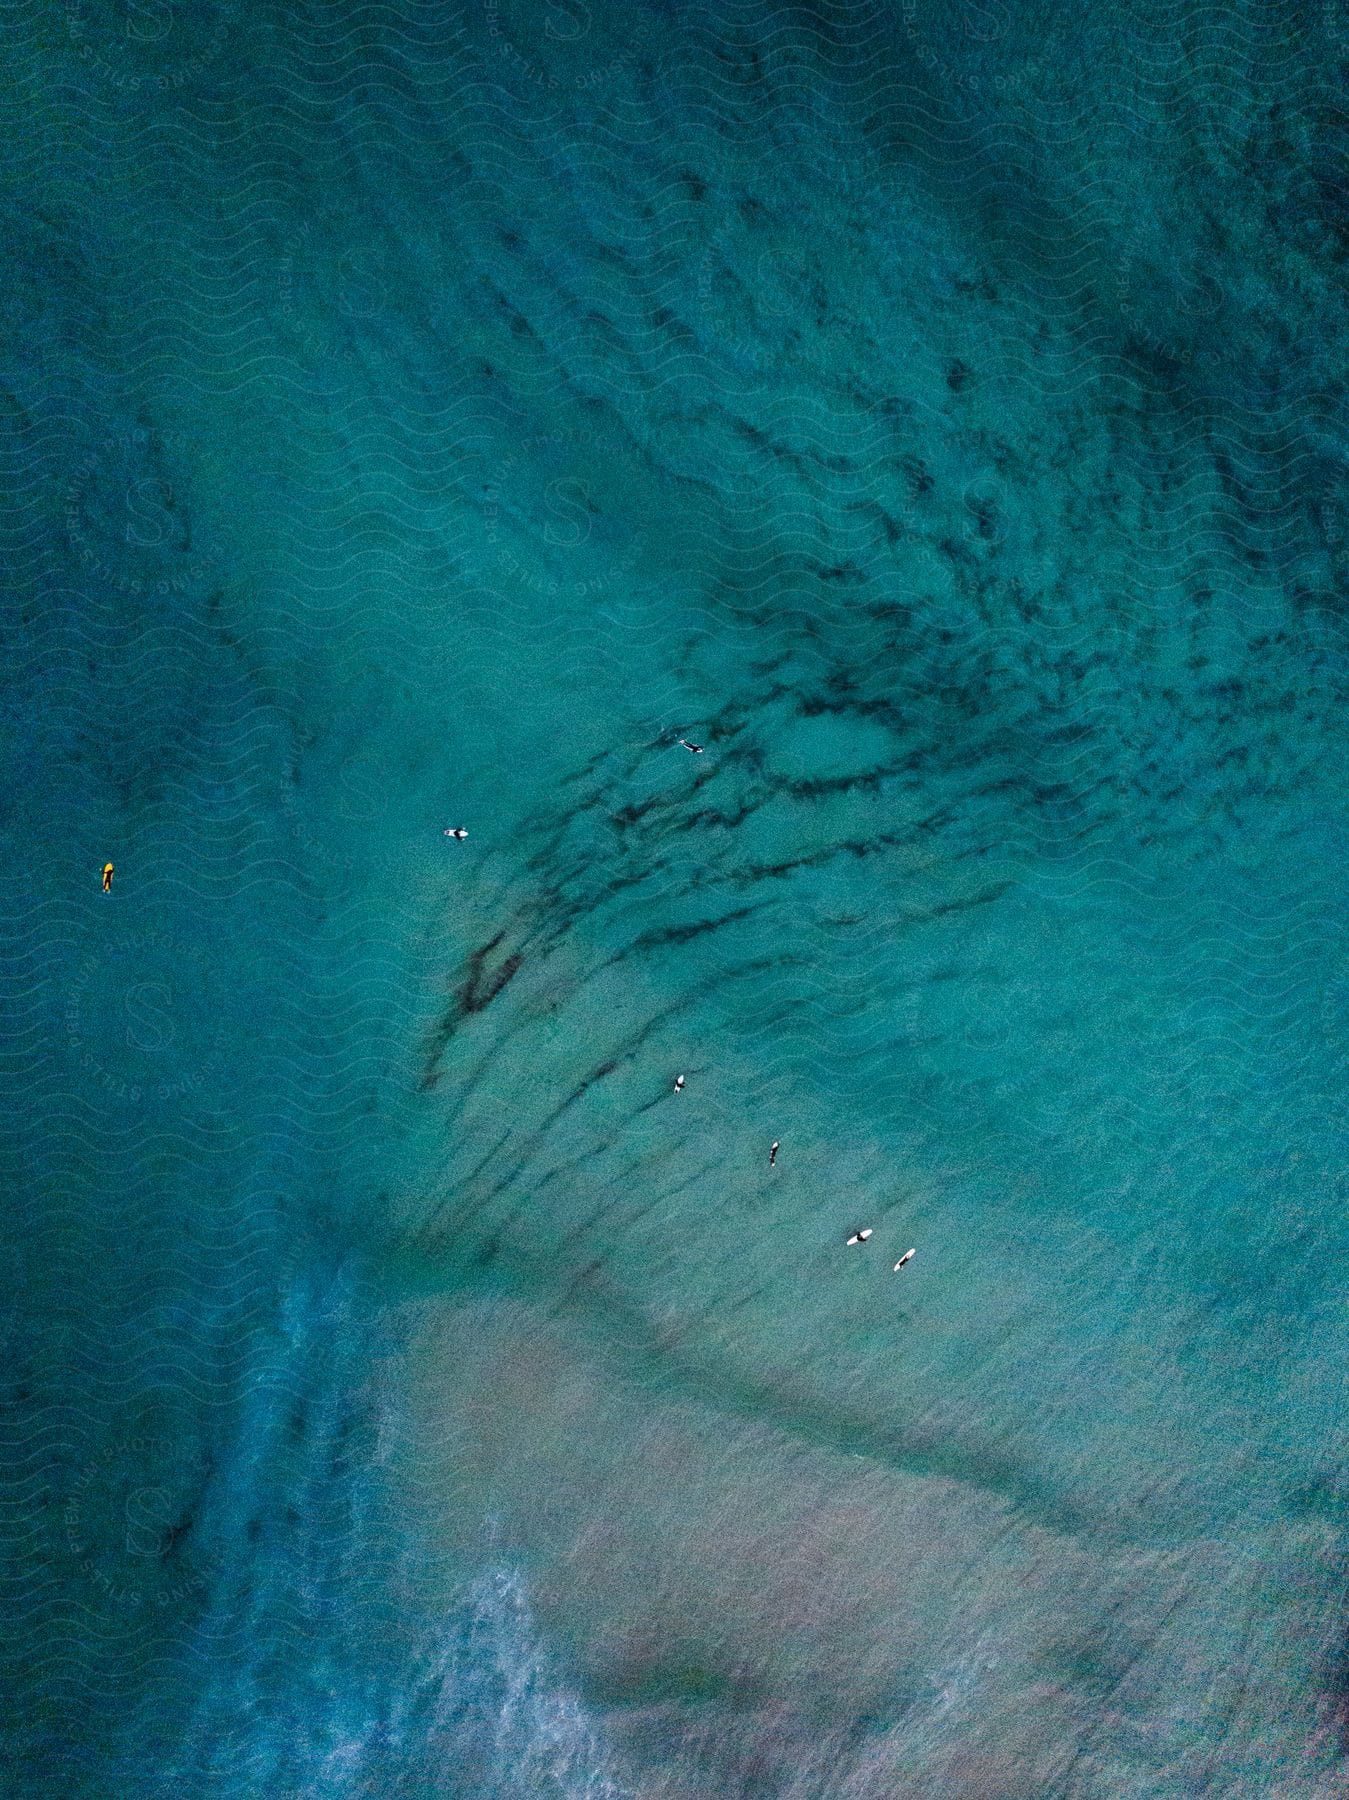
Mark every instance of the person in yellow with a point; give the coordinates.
(107, 878)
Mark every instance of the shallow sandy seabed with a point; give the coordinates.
(417, 418)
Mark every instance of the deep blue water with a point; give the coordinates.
(418, 417)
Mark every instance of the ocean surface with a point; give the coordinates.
(419, 416)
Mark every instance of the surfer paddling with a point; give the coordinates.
(697, 749)
(773, 1153)
(903, 1259)
(457, 832)
(860, 1237)
(679, 1084)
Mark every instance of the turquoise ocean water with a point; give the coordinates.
(419, 417)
